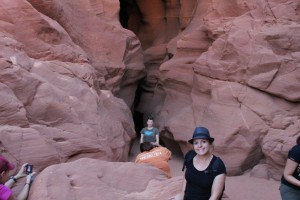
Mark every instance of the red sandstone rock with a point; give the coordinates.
(230, 66)
(57, 60)
(92, 179)
(232, 69)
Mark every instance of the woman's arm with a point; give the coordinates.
(142, 138)
(24, 193)
(217, 187)
(20, 174)
(288, 172)
(157, 139)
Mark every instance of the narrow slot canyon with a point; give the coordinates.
(149, 95)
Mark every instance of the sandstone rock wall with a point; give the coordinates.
(232, 67)
(62, 64)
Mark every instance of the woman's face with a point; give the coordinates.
(202, 146)
(149, 123)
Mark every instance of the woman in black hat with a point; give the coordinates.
(205, 173)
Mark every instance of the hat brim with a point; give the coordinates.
(206, 138)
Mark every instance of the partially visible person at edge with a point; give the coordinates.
(150, 133)
(201, 181)
(157, 156)
(290, 181)
(7, 182)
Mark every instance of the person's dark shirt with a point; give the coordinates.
(294, 154)
(149, 134)
(199, 183)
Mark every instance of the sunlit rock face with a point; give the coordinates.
(92, 179)
(62, 65)
(232, 66)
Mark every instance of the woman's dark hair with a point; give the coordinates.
(150, 118)
(146, 146)
(298, 140)
(5, 165)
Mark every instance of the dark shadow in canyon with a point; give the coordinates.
(131, 18)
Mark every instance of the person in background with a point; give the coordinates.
(205, 173)
(290, 181)
(6, 182)
(150, 133)
(157, 156)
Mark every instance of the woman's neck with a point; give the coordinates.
(204, 158)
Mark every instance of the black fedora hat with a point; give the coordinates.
(201, 133)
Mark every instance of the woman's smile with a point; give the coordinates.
(201, 146)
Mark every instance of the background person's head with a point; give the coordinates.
(150, 122)
(5, 167)
(298, 140)
(146, 146)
